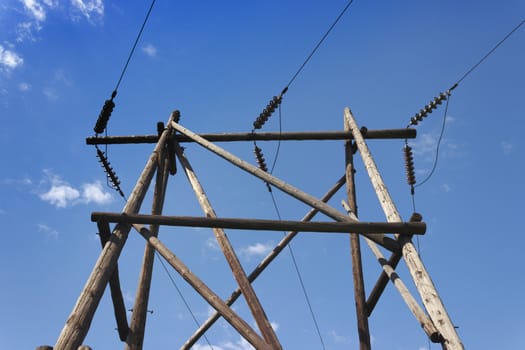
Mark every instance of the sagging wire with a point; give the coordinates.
(182, 297)
(424, 112)
(276, 101)
(108, 107)
(301, 282)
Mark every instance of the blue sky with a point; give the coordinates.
(220, 63)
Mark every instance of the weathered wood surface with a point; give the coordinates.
(383, 279)
(355, 251)
(135, 339)
(250, 296)
(424, 284)
(281, 185)
(260, 268)
(78, 323)
(368, 228)
(119, 308)
(260, 136)
(200, 287)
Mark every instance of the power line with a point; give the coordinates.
(490, 52)
(182, 297)
(303, 287)
(135, 45)
(319, 43)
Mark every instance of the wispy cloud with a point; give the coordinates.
(9, 59)
(49, 231)
(149, 50)
(92, 10)
(24, 87)
(241, 344)
(2, 212)
(507, 147)
(61, 194)
(94, 193)
(257, 249)
(337, 338)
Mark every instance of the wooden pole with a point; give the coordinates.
(411, 302)
(383, 279)
(224, 243)
(78, 323)
(369, 228)
(200, 287)
(262, 136)
(260, 268)
(386, 242)
(119, 307)
(424, 284)
(135, 339)
(355, 250)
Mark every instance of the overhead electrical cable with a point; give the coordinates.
(433, 104)
(181, 296)
(109, 105)
(298, 272)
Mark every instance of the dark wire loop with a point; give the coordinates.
(110, 173)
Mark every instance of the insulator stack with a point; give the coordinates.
(110, 173)
(409, 165)
(423, 113)
(260, 159)
(267, 112)
(104, 115)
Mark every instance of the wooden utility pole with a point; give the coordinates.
(355, 251)
(393, 235)
(424, 284)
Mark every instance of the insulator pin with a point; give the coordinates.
(259, 157)
(423, 113)
(104, 115)
(409, 165)
(267, 112)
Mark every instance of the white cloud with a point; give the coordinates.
(35, 9)
(257, 249)
(90, 9)
(24, 86)
(446, 188)
(150, 50)
(507, 147)
(94, 192)
(9, 60)
(50, 232)
(337, 338)
(50, 93)
(62, 194)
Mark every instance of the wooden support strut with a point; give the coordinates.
(355, 251)
(260, 268)
(424, 284)
(200, 287)
(386, 242)
(114, 284)
(369, 228)
(78, 323)
(135, 339)
(411, 302)
(249, 294)
(263, 136)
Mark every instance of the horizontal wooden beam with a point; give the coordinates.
(406, 133)
(265, 225)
